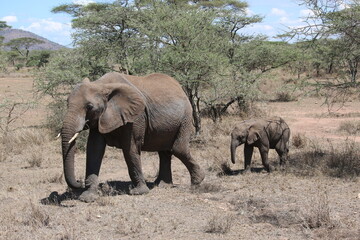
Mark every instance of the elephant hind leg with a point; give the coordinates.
(283, 158)
(197, 175)
(282, 150)
(181, 150)
(165, 176)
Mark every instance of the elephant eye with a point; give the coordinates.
(89, 106)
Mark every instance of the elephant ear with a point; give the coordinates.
(125, 104)
(253, 135)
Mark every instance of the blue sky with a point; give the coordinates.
(36, 16)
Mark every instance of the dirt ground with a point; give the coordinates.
(281, 205)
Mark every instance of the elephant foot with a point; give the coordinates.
(197, 177)
(139, 190)
(269, 169)
(247, 170)
(89, 195)
(163, 181)
(283, 166)
(163, 184)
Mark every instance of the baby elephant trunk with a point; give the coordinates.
(234, 145)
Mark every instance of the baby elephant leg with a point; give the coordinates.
(283, 154)
(264, 157)
(248, 152)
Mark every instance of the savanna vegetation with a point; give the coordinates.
(308, 76)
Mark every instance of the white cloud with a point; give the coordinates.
(46, 25)
(306, 13)
(289, 22)
(343, 6)
(249, 12)
(52, 30)
(9, 19)
(83, 2)
(278, 12)
(264, 27)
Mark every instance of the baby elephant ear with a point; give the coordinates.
(125, 104)
(253, 136)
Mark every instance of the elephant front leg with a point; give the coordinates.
(95, 150)
(264, 151)
(133, 163)
(248, 152)
(164, 178)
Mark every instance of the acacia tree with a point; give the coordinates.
(338, 20)
(3, 25)
(194, 41)
(22, 45)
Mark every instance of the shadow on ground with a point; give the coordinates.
(229, 172)
(111, 188)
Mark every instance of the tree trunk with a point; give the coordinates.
(192, 93)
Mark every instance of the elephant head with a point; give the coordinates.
(104, 106)
(243, 134)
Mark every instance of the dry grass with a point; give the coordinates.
(36, 217)
(344, 161)
(341, 161)
(350, 127)
(219, 224)
(319, 213)
(28, 139)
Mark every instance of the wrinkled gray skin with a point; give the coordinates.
(135, 114)
(265, 134)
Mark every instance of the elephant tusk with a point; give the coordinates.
(58, 136)
(74, 137)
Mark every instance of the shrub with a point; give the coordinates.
(284, 97)
(344, 162)
(351, 127)
(35, 158)
(219, 224)
(37, 218)
(56, 115)
(299, 140)
(319, 213)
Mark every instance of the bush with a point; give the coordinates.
(319, 215)
(342, 162)
(55, 116)
(299, 140)
(284, 97)
(351, 127)
(219, 224)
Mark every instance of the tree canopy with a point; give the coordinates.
(197, 42)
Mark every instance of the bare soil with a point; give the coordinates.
(258, 205)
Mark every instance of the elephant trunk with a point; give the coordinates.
(234, 145)
(71, 126)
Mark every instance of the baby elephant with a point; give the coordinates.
(265, 134)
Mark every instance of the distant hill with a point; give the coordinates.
(10, 34)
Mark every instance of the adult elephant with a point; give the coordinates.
(265, 134)
(150, 113)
